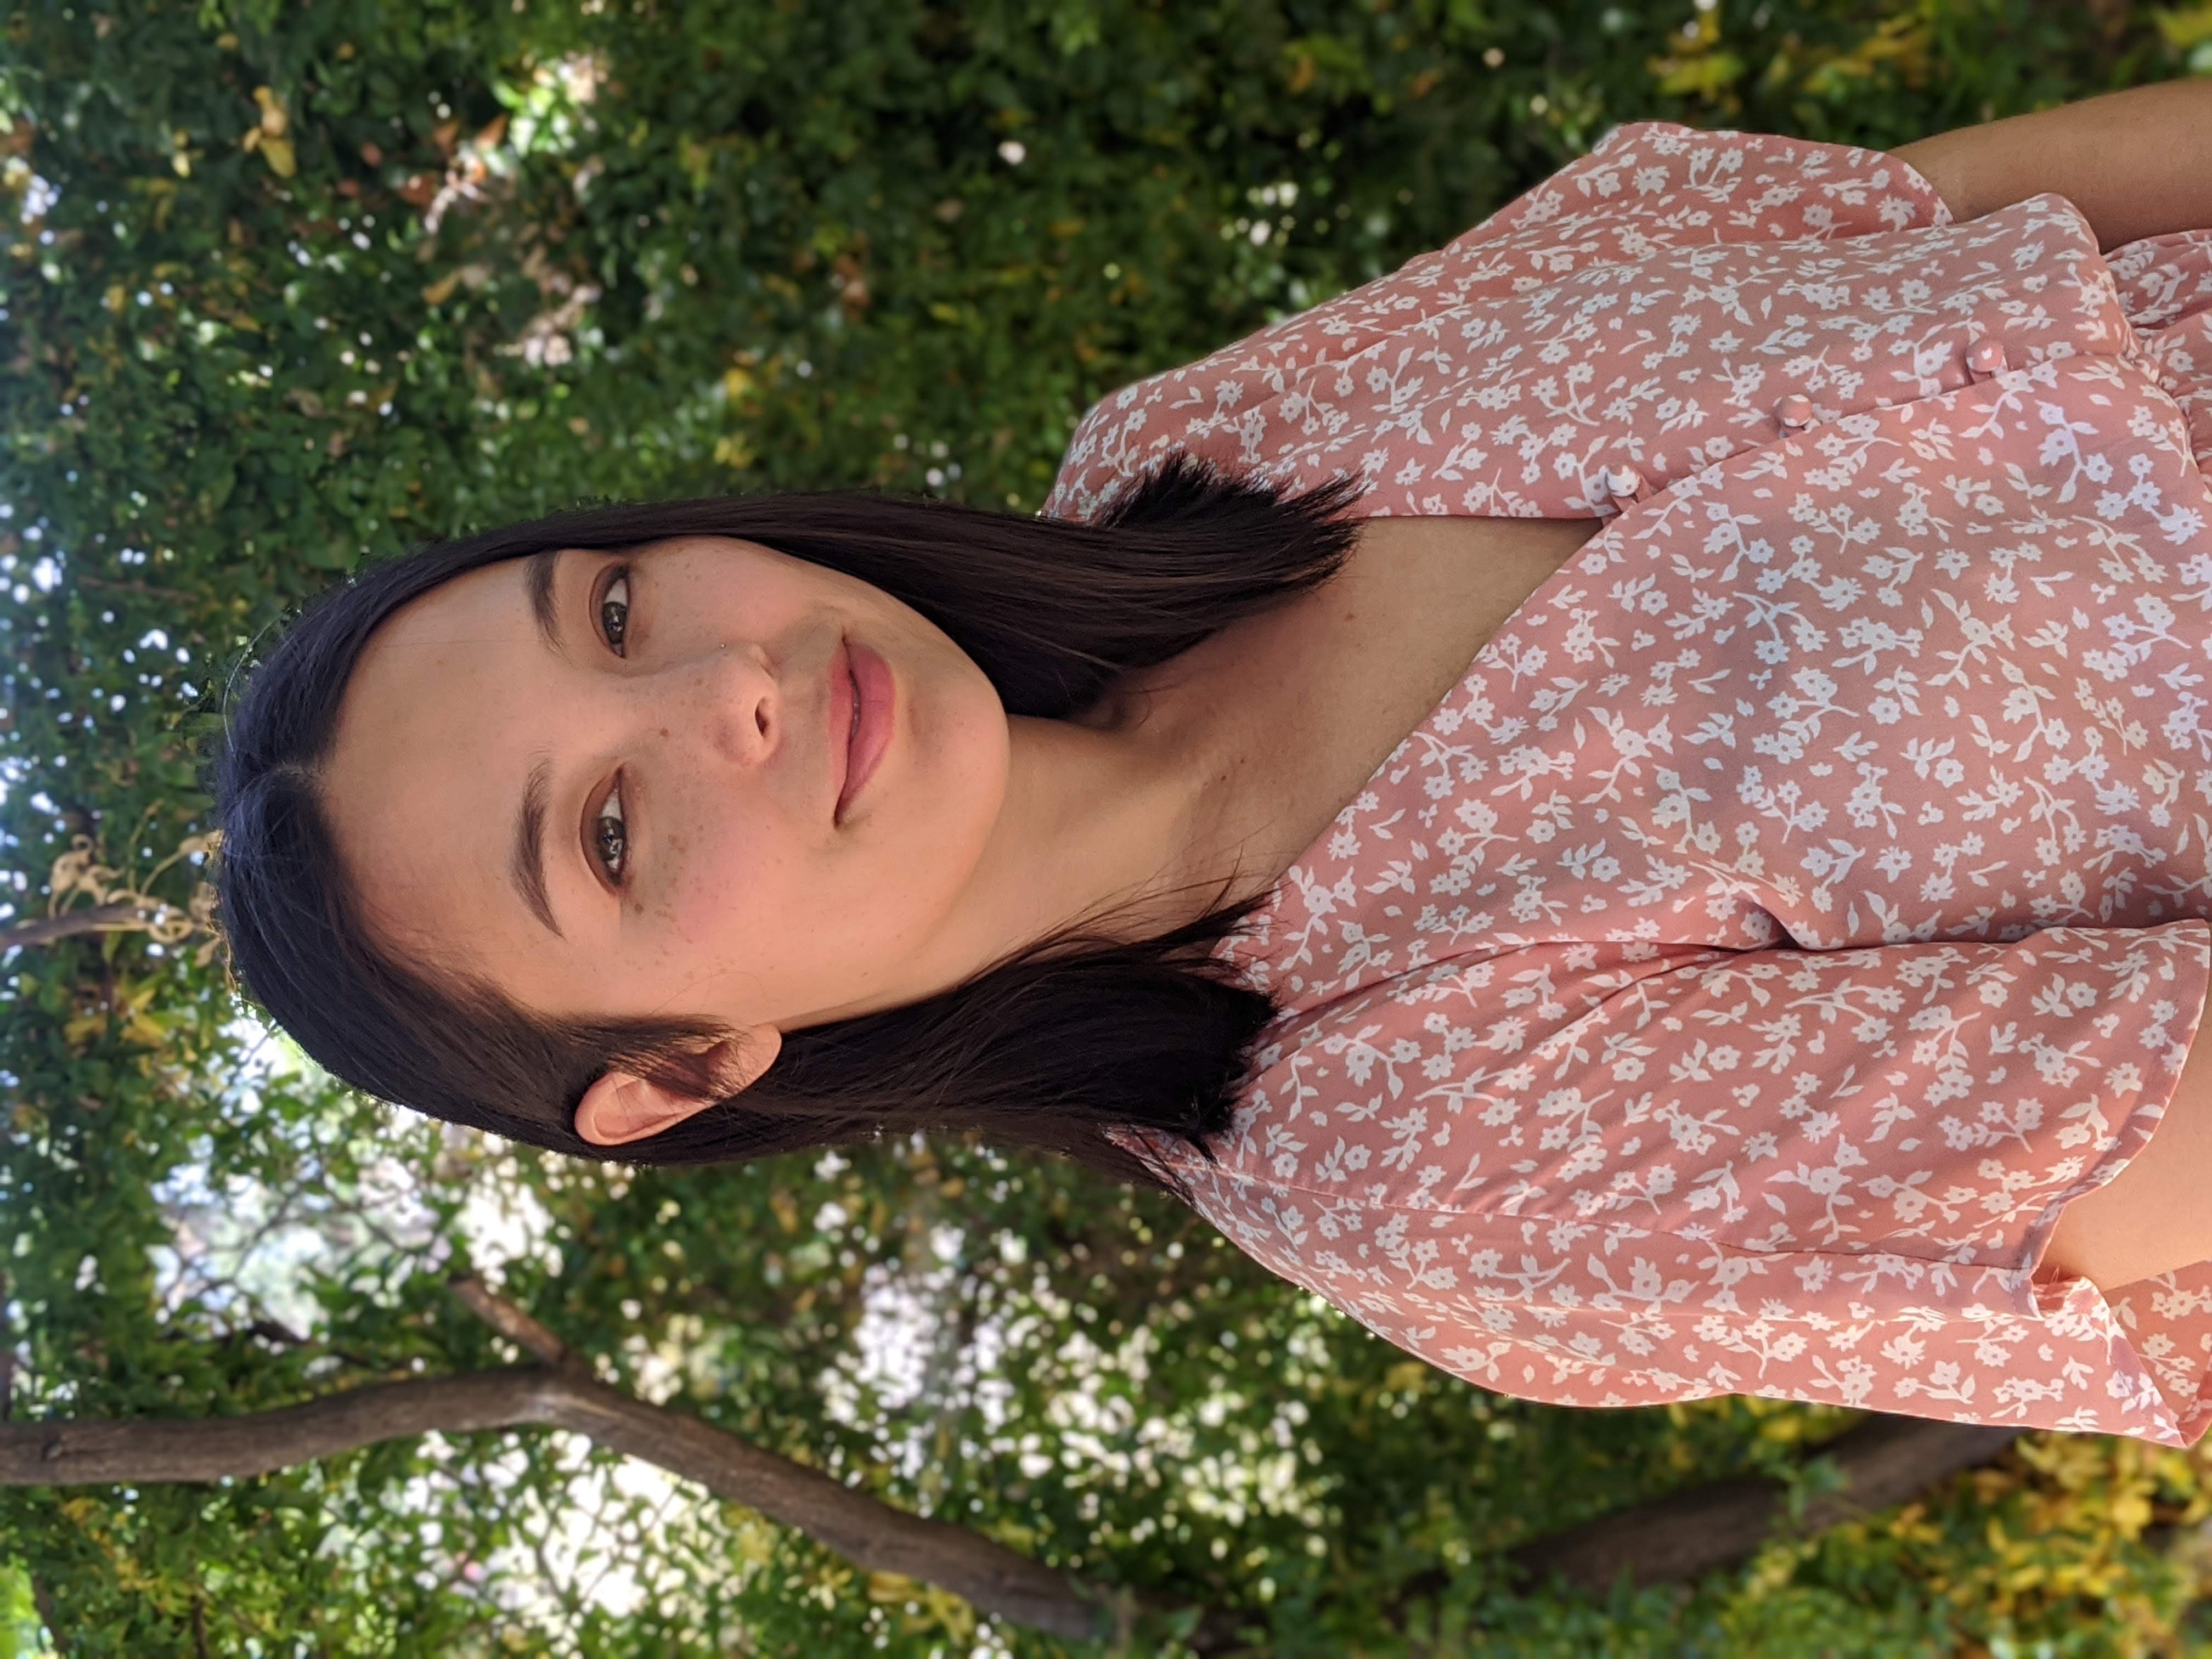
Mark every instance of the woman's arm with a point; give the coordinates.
(2157, 1214)
(2137, 163)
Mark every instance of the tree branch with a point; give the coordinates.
(508, 1320)
(43, 1600)
(44, 930)
(1884, 1461)
(874, 1535)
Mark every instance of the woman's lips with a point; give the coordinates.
(837, 740)
(869, 681)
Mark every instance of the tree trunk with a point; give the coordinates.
(873, 1533)
(1884, 1460)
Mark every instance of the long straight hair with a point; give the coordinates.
(1068, 1038)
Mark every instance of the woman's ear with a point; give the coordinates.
(622, 1107)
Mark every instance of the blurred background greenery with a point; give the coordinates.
(290, 284)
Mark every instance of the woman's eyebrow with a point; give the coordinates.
(527, 864)
(538, 572)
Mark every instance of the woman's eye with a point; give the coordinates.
(614, 612)
(610, 837)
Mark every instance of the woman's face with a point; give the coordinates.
(607, 782)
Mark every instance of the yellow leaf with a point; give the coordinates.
(278, 154)
(733, 452)
(752, 1538)
(77, 1032)
(2130, 1514)
(273, 119)
(2183, 29)
(441, 290)
(950, 1611)
(145, 1032)
(116, 298)
(1406, 1376)
(1706, 76)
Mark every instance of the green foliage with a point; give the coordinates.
(21, 1634)
(293, 285)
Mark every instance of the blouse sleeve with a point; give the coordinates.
(1647, 186)
(1587, 1175)
(1652, 185)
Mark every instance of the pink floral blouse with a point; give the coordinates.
(1804, 894)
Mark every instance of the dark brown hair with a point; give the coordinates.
(1048, 1048)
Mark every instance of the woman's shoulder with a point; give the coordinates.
(1644, 187)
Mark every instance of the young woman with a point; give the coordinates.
(1774, 966)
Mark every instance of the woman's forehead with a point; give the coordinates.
(474, 599)
(719, 547)
(429, 749)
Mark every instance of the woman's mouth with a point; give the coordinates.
(868, 727)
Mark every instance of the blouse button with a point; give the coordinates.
(1986, 356)
(1795, 411)
(1624, 483)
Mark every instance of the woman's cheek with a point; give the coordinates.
(714, 881)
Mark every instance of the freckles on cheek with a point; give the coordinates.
(677, 913)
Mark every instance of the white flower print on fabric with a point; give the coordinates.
(1804, 896)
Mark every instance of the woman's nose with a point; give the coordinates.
(728, 696)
